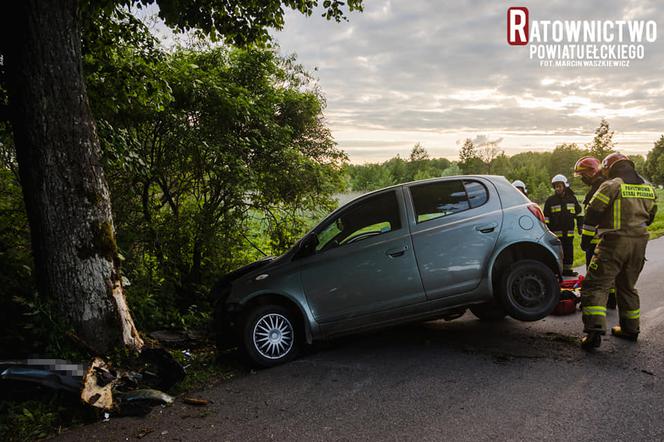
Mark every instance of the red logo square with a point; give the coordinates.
(518, 32)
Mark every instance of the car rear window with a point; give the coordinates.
(477, 193)
(435, 200)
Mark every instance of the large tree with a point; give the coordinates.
(602, 143)
(64, 187)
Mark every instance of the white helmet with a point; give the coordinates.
(560, 178)
(521, 184)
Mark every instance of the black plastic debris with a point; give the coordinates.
(55, 374)
(97, 384)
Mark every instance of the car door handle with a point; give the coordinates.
(395, 253)
(486, 228)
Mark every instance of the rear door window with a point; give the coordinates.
(439, 199)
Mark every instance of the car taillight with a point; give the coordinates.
(535, 210)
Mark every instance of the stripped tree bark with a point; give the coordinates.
(64, 188)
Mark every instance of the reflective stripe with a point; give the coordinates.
(588, 230)
(594, 310)
(594, 241)
(546, 219)
(600, 197)
(558, 233)
(571, 208)
(555, 209)
(616, 214)
(631, 314)
(643, 191)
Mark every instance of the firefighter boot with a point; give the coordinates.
(591, 341)
(618, 332)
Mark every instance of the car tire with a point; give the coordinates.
(271, 335)
(528, 290)
(488, 311)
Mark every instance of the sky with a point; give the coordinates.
(438, 72)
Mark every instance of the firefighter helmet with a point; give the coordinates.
(587, 167)
(560, 178)
(612, 159)
(520, 184)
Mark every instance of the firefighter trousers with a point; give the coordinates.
(568, 252)
(590, 252)
(617, 259)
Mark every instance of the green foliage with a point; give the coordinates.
(563, 158)
(241, 22)
(654, 165)
(419, 166)
(44, 414)
(234, 160)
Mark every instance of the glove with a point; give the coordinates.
(586, 242)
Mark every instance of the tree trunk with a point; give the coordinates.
(65, 192)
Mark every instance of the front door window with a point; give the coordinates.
(368, 218)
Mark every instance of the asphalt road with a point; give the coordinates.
(458, 380)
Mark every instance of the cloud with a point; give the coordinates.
(443, 71)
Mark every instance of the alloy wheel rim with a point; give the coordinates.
(273, 336)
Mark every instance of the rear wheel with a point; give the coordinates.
(489, 311)
(528, 290)
(270, 335)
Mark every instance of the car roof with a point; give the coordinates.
(429, 180)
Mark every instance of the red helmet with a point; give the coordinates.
(612, 159)
(587, 166)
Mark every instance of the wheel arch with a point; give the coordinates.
(284, 300)
(517, 251)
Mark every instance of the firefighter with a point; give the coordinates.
(560, 212)
(588, 168)
(621, 209)
(521, 186)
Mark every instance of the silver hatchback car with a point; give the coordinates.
(417, 251)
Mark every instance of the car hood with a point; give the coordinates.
(238, 273)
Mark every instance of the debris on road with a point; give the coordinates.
(55, 374)
(195, 401)
(98, 384)
(144, 432)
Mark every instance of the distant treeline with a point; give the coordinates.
(481, 156)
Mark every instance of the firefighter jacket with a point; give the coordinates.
(622, 209)
(560, 212)
(589, 233)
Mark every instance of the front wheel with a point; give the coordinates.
(529, 290)
(270, 335)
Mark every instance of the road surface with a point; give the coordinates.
(458, 380)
